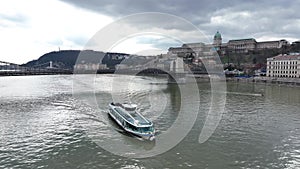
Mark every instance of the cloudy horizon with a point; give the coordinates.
(32, 28)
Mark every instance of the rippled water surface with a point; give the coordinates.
(62, 122)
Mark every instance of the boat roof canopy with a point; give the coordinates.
(130, 114)
(126, 106)
(129, 107)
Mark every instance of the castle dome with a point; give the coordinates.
(218, 35)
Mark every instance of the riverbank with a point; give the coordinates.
(258, 80)
(267, 80)
(199, 77)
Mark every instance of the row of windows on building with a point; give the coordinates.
(283, 73)
(282, 67)
(261, 46)
(242, 46)
(278, 75)
(286, 72)
(282, 62)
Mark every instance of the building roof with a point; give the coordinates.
(247, 39)
(268, 41)
(193, 44)
(218, 35)
(286, 57)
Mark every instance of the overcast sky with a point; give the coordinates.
(30, 28)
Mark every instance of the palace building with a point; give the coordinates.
(247, 45)
(232, 46)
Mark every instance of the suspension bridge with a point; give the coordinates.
(47, 68)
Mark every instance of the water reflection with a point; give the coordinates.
(175, 97)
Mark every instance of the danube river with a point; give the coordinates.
(61, 122)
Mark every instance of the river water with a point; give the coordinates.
(59, 122)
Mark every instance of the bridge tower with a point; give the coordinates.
(51, 65)
(177, 66)
(177, 73)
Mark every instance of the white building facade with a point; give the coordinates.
(284, 66)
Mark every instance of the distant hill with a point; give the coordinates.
(66, 59)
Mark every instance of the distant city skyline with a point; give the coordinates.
(32, 28)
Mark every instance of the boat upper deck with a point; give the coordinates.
(132, 116)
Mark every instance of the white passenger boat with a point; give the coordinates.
(131, 121)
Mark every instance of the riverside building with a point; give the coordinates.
(284, 66)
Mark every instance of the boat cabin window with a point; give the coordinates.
(140, 129)
(131, 127)
(130, 108)
(146, 129)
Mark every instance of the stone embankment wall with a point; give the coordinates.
(268, 80)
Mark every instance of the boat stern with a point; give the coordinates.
(149, 136)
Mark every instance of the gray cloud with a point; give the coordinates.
(234, 19)
(162, 42)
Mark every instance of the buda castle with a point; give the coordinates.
(242, 46)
